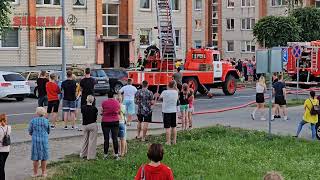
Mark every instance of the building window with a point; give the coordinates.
(10, 38)
(230, 3)
(145, 4)
(215, 36)
(247, 23)
(198, 44)
(247, 3)
(230, 24)
(198, 5)
(317, 4)
(215, 22)
(79, 3)
(79, 38)
(178, 37)
(176, 5)
(49, 37)
(145, 37)
(278, 2)
(110, 18)
(214, 43)
(230, 46)
(214, 29)
(198, 25)
(48, 2)
(248, 47)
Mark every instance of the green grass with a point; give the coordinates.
(295, 102)
(213, 153)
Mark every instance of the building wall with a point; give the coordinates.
(199, 15)
(148, 20)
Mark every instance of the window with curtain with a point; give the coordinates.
(49, 37)
(145, 4)
(79, 2)
(198, 5)
(10, 38)
(79, 38)
(145, 37)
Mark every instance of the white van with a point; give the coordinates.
(13, 85)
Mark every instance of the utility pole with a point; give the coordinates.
(64, 63)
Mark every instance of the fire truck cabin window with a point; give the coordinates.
(198, 56)
(215, 57)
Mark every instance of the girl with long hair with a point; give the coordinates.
(184, 105)
(260, 90)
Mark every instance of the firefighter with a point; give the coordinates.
(152, 50)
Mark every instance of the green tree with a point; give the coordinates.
(5, 11)
(309, 20)
(273, 31)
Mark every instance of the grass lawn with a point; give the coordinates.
(213, 153)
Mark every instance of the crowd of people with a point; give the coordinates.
(246, 67)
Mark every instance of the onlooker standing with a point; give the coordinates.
(129, 92)
(90, 127)
(245, 70)
(39, 129)
(191, 106)
(310, 114)
(261, 88)
(122, 128)
(169, 110)
(279, 91)
(69, 88)
(4, 150)
(155, 169)
(184, 105)
(41, 88)
(53, 92)
(87, 86)
(144, 100)
(177, 76)
(276, 108)
(110, 123)
(78, 96)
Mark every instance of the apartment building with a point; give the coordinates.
(35, 39)
(238, 18)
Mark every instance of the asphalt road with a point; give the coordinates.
(22, 112)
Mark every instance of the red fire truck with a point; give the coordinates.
(309, 62)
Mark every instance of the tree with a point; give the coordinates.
(309, 20)
(5, 11)
(273, 31)
(292, 4)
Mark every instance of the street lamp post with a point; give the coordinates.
(64, 63)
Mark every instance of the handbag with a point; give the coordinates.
(6, 140)
(315, 109)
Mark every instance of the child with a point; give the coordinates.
(122, 128)
(191, 107)
(184, 105)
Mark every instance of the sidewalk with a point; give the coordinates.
(63, 142)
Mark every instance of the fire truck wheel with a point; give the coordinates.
(318, 131)
(193, 83)
(229, 86)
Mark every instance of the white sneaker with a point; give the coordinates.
(272, 118)
(252, 117)
(66, 128)
(285, 118)
(105, 156)
(117, 157)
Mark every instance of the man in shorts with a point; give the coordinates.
(69, 88)
(53, 92)
(280, 96)
(144, 100)
(129, 92)
(41, 88)
(169, 110)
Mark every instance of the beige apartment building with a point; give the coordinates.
(238, 18)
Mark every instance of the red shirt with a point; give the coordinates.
(162, 172)
(53, 91)
(110, 110)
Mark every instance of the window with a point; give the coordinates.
(79, 3)
(48, 2)
(317, 4)
(215, 22)
(214, 43)
(10, 38)
(215, 36)
(79, 38)
(175, 5)
(198, 25)
(178, 37)
(230, 46)
(145, 4)
(247, 3)
(230, 3)
(230, 24)
(247, 23)
(278, 2)
(49, 37)
(198, 5)
(110, 18)
(214, 29)
(248, 47)
(145, 37)
(197, 44)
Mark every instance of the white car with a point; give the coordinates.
(13, 85)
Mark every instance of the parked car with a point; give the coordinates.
(117, 78)
(13, 85)
(102, 86)
(32, 76)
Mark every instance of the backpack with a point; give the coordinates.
(6, 141)
(315, 109)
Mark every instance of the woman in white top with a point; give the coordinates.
(260, 90)
(4, 150)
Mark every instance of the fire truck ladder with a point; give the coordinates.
(166, 33)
